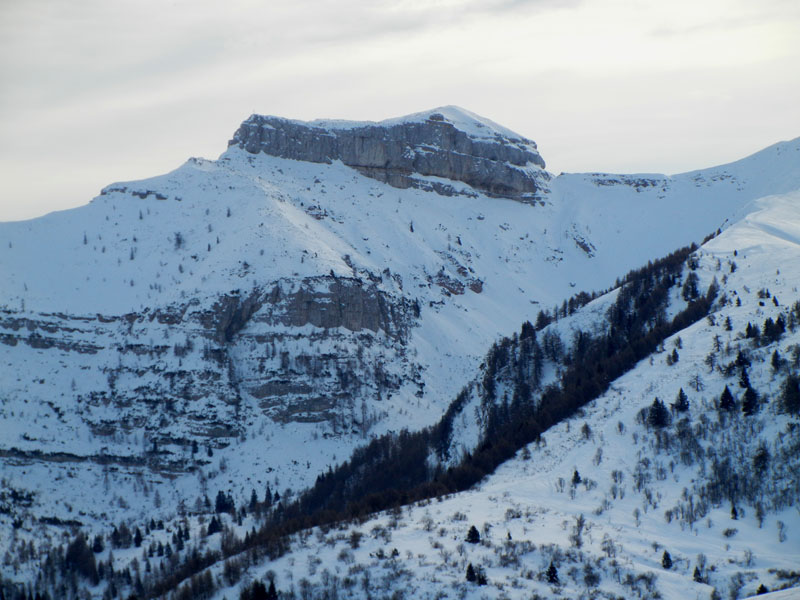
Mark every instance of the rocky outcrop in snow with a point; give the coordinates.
(449, 143)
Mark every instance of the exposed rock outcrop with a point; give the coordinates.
(307, 349)
(449, 143)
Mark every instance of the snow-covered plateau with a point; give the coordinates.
(193, 351)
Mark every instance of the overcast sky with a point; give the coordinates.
(97, 91)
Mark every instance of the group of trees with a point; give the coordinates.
(258, 591)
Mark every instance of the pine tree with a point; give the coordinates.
(80, 559)
(697, 576)
(726, 400)
(666, 560)
(471, 573)
(749, 402)
(790, 395)
(224, 503)
(576, 478)
(777, 361)
(473, 537)
(657, 415)
(762, 589)
(681, 402)
(761, 459)
(268, 497)
(272, 593)
(689, 291)
(214, 526)
(744, 379)
(552, 574)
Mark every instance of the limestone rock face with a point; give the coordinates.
(447, 143)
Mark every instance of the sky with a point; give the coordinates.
(98, 91)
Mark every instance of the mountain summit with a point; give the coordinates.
(447, 142)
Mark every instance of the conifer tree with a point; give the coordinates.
(744, 378)
(749, 402)
(272, 593)
(681, 401)
(790, 395)
(471, 573)
(576, 478)
(666, 560)
(726, 400)
(690, 291)
(657, 415)
(777, 361)
(552, 574)
(473, 537)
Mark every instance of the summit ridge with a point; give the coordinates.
(447, 143)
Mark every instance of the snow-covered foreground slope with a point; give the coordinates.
(249, 321)
(643, 491)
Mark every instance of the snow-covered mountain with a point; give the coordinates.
(247, 322)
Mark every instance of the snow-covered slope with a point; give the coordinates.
(641, 492)
(250, 320)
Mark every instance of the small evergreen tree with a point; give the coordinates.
(744, 379)
(79, 558)
(790, 395)
(726, 401)
(214, 526)
(761, 459)
(471, 573)
(749, 402)
(681, 401)
(762, 589)
(777, 361)
(697, 576)
(576, 478)
(666, 560)
(272, 593)
(657, 415)
(224, 503)
(473, 537)
(552, 574)
(690, 291)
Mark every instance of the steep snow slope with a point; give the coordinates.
(642, 490)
